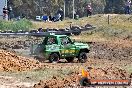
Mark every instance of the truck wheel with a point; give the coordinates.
(54, 58)
(82, 57)
(85, 81)
(40, 57)
(70, 59)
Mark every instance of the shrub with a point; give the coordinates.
(22, 24)
(5, 25)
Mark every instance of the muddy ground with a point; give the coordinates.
(113, 59)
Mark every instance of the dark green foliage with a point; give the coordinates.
(114, 6)
(31, 8)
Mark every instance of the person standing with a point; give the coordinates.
(50, 18)
(61, 12)
(89, 9)
(5, 13)
(127, 6)
(10, 13)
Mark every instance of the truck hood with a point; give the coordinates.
(82, 45)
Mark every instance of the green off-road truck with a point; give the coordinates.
(56, 47)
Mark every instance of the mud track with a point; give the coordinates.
(112, 59)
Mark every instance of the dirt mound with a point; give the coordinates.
(55, 82)
(14, 44)
(73, 80)
(17, 42)
(11, 62)
(108, 73)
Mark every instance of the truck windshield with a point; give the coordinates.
(49, 41)
(65, 40)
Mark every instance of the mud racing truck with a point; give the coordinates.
(56, 47)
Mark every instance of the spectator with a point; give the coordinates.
(10, 13)
(60, 11)
(75, 14)
(50, 18)
(89, 9)
(57, 17)
(53, 18)
(127, 6)
(5, 13)
(45, 18)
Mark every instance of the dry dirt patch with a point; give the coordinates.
(72, 81)
(12, 62)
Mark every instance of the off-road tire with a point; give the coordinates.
(69, 59)
(84, 81)
(54, 58)
(82, 57)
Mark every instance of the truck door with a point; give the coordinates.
(68, 49)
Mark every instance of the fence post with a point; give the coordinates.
(73, 9)
(31, 48)
(108, 19)
(64, 9)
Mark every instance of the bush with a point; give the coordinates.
(4, 25)
(22, 24)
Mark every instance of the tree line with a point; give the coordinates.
(31, 8)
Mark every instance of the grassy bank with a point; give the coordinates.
(119, 26)
(115, 21)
